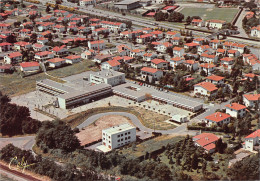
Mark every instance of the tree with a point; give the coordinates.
(194, 161)
(203, 73)
(48, 9)
(188, 20)
(175, 17)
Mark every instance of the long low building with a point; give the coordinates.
(69, 97)
(139, 94)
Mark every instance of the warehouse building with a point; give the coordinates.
(127, 4)
(68, 97)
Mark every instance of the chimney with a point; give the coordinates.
(220, 115)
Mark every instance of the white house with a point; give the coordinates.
(227, 62)
(250, 100)
(56, 62)
(163, 47)
(13, 58)
(176, 61)
(252, 140)
(22, 45)
(255, 31)
(203, 48)
(178, 51)
(191, 64)
(205, 89)
(96, 45)
(123, 50)
(214, 79)
(40, 47)
(155, 73)
(208, 68)
(88, 54)
(60, 51)
(117, 136)
(159, 64)
(5, 47)
(111, 64)
(214, 23)
(148, 57)
(206, 141)
(233, 53)
(215, 43)
(208, 58)
(236, 109)
(42, 56)
(172, 34)
(217, 118)
(197, 22)
(137, 52)
(29, 66)
(73, 59)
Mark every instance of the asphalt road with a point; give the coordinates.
(25, 143)
(179, 130)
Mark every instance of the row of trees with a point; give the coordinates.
(172, 17)
(16, 120)
(43, 166)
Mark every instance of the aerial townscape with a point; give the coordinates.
(129, 90)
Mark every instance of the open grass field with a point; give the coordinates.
(215, 13)
(14, 84)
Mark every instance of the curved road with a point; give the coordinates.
(182, 130)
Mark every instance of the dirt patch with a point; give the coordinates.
(93, 132)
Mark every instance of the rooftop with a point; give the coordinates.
(118, 129)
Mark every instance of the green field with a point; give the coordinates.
(215, 13)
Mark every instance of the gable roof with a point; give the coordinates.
(252, 97)
(217, 116)
(29, 64)
(207, 85)
(254, 134)
(151, 70)
(158, 61)
(236, 106)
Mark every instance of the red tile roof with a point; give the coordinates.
(4, 44)
(113, 63)
(218, 116)
(192, 44)
(205, 139)
(215, 77)
(43, 53)
(251, 75)
(236, 106)
(14, 54)
(177, 48)
(151, 70)
(208, 86)
(207, 65)
(157, 61)
(252, 97)
(227, 59)
(71, 57)
(254, 134)
(55, 60)
(97, 42)
(29, 64)
(56, 49)
(176, 59)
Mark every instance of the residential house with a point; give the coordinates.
(88, 54)
(40, 47)
(86, 2)
(96, 45)
(227, 62)
(6, 68)
(174, 62)
(172, 34)
(59, 28)
(73, 59)
(239, 47)
(5, 26)
(29, 66)
(203, 49)
(217, 118)
(22, 45)
(207, 141)
(255, 31)
(156, 74)
(111, 64)
(176, 40)
(178, 51)
(220, 52)
(208, 68)
(233, 53)
(250, 76)
(60, 51)
(163, 47)
(215, 23)
(189, 46)
(25, 32)
(42, 40)
(123, 50)
(215, 43)
(56, 62)
(157, 34)
(137, 53)
(144, 38)
(205, 88)
(236, 110)
(159, 64)
(102, 58)
(252, 140)
(13, 58)
(208, 58)
(214, 79)
(5, 47)
(251, 100)
(148, 57)
(199, 41)
(197, 22)
(191, 64)
(42, 56)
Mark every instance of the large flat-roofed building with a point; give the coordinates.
(69, 96)
(110, 77)
(127, 4)
(139, 94)
(117, 136)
